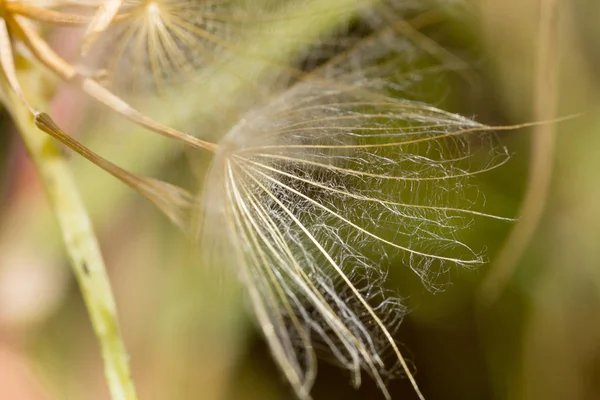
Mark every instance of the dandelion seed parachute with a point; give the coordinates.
(153, 43)
(317, 191)
(156, 44)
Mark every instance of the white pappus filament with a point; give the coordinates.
(317, 193)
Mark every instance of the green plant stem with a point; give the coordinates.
(82, 248)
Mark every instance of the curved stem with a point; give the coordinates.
(81, 245)
(542, 157)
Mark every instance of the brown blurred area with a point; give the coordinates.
(188, 329)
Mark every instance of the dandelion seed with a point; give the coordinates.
(317, 190)
(160, 43)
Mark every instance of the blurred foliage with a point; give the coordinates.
(189, 330)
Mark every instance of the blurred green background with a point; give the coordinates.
(188, 329)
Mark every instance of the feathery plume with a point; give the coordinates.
(318, 191)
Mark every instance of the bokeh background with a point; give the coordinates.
(188, 328)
